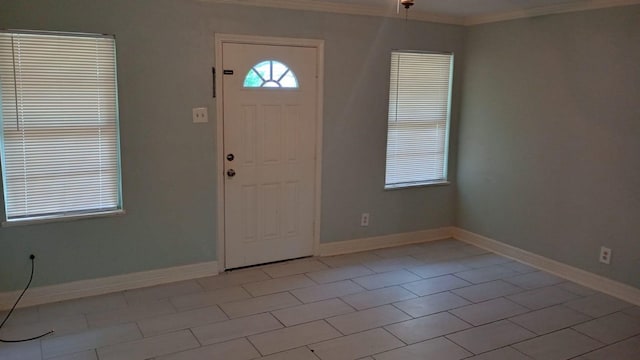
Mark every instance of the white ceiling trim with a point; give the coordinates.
(548, 10)
(356, 9)
(342, 8)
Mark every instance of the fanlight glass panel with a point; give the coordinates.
(270, 74)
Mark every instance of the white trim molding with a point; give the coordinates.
(318, 44)
(92, 287)
(384, 241)
(418, 15)
(105, 285)
(611, 287)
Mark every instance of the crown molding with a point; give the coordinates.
(343, 8)
(548, 10)
(390, 12)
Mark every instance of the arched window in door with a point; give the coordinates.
(270, 74)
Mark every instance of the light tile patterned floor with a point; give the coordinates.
(442, 300)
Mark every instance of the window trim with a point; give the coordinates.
(417, 184)
(62, 218)
(437, 182)
(118, 210)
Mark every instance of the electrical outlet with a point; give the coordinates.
(364, 219)
(605, 255)
(200, 115)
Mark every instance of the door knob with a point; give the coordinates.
(230, 157)
(231, 173)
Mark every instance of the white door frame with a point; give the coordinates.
(262, 40)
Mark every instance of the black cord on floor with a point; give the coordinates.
(32, 257)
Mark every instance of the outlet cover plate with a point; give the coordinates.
(200, 115)
(605, 255)
(364, 219)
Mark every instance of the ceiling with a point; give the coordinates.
(461, 12)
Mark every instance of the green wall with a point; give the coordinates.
(549, 155)
(165, 53)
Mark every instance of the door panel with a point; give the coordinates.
(269, 202)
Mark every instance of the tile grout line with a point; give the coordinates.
(469, 350)
(253, 346)
(194, 336)
(605, 345)
(572, 327)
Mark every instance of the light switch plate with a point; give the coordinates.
(200, 115)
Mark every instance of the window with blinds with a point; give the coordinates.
(59, 115)
(418, 130)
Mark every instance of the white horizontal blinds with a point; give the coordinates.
(59, 124)
(418, 118)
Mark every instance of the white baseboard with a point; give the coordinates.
(611, 287)
(92, 287)
(385, 241)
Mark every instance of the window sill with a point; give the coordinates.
(417, 184)
(61, 218)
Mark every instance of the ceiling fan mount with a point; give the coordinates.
(406, 3)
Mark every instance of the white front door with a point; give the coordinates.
(269, 99)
